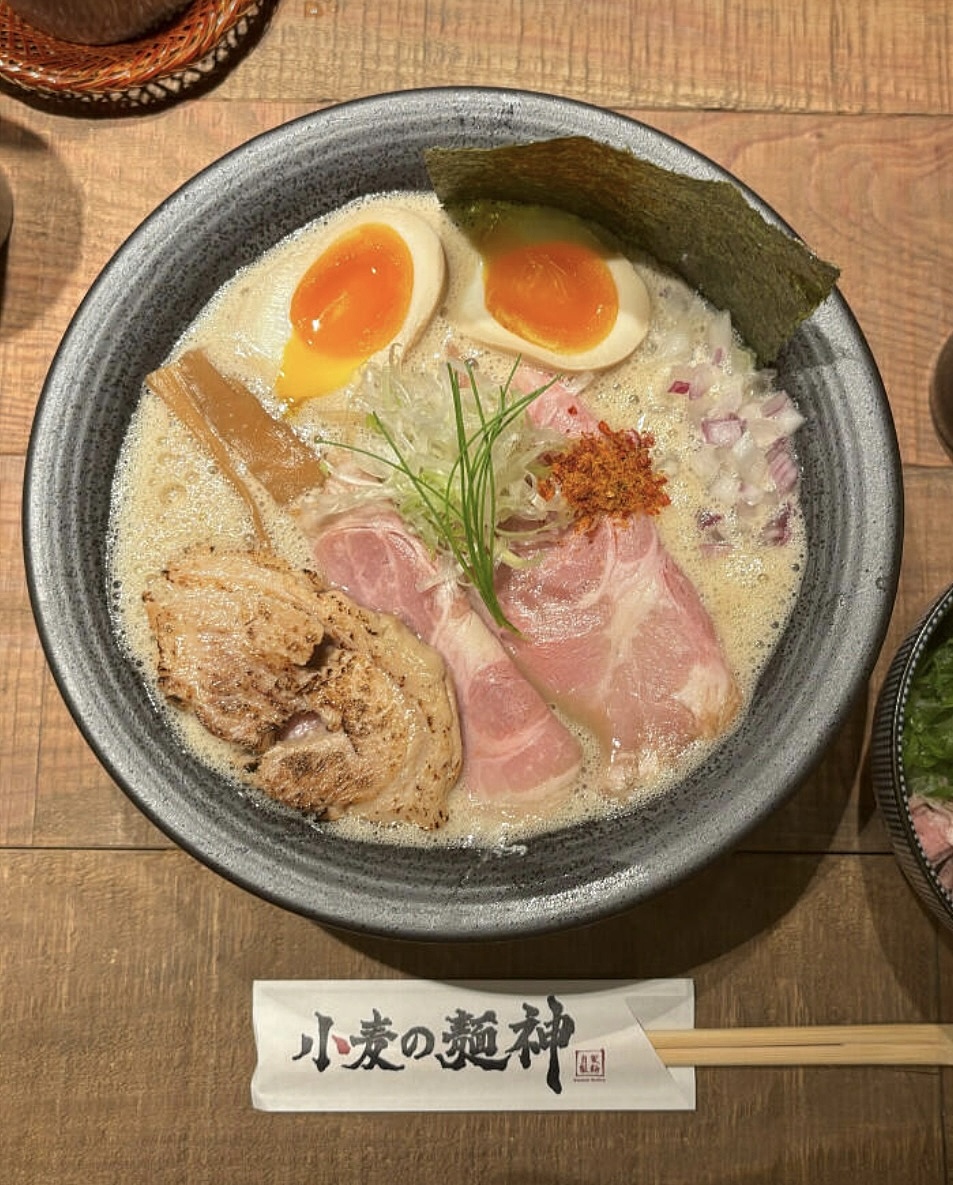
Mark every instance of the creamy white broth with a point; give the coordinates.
(169, 495)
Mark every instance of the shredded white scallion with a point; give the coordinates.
(460, 460)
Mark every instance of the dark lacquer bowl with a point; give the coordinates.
(886, 757)
(157, 282)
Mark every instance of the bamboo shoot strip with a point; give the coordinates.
(231, 422)
(834, 1045)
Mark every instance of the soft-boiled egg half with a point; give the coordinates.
(541, 284)
(322, 304)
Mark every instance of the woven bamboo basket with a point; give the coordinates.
(187, 55)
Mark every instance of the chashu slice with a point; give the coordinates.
(346, 710)
(236, 632)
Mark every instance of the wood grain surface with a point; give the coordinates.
(126, 968)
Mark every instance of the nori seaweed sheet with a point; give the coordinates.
(705, 231)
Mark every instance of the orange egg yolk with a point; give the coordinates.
(559, 295)
(349, 304)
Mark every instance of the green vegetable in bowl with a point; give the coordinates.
(928, 726)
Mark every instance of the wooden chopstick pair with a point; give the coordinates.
(816, 1045)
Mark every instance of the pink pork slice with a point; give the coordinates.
(612, 631)
(515, 750)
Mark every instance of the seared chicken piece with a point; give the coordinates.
(347, 710)
(389, 695)
(237, 634)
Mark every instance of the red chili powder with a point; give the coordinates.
(606, 474)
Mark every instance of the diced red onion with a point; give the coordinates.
(713, 540)
(781, 409)
(720, 337)
(777, 530)
(744, 460)
(778, 402)
(747, 457)
(728, 397)
(705, 463)
(725, 488)
(693, 381)
(750, 493)
(723, 431)
(764, 432)
(782, 466)
(751, 512)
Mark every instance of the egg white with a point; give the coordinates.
(469, 313)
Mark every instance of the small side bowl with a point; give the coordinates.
(886, 757)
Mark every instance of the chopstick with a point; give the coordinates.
(817, 1045)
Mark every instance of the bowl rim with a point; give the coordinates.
(889, 719)
(559, 909)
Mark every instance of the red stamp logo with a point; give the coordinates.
(590, 1065)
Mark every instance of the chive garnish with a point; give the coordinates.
(460, 506)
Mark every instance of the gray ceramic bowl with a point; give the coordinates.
(886, 757)
(157, 282)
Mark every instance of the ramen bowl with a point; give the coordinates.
(888, 773)
(134, 313)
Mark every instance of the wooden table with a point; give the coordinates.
(126, 968)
